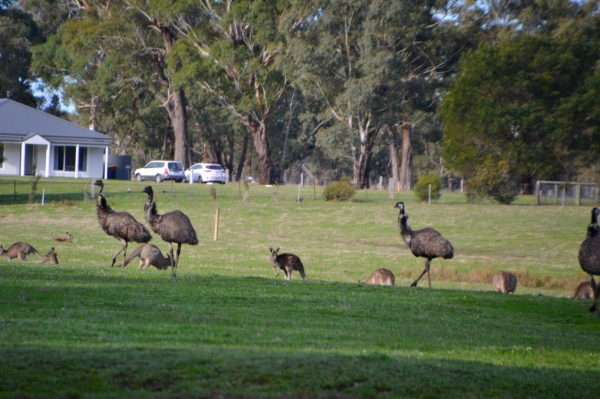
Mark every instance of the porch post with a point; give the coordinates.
(23, 159)
(48, 160)
(77, 161)
(106, 152)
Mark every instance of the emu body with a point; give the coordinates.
(19, 250)
(381, 277)
(149, 255)
(427, 243)
(505, 282)
(120, 225)
(286, 262)
(173, 227)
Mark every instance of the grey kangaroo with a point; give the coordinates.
(286, 262)
(150, 255)
(584, 291)
(505, 282)
(50, 258)
(20, 250)
(381, 277)
(67, 238)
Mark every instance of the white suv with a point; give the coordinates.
(206, 172)
(160, 170)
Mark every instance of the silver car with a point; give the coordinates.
(160, 171)
(206, 172)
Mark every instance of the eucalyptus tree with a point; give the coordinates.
(111, 50)
(230, 53)
(369, 61)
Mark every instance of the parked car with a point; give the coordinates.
(161, 170)
(206, 172)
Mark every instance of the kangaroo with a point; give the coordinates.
(67, 238)
(150, 255)
(287, 263)
(20, 250)
(584, 291)
(50, 258)
(381, 277)
(505, 282)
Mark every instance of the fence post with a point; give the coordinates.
(216, 225)
(537, 192)
(578, 194)
(555, 194)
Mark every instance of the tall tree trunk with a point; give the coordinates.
(406, 174)
(261, 145)
(362, 156)
(242, 160)
(176, 107)
(285, 140)
(393, 132)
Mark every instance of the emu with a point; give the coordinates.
(149, 255)
(67, 238)
(172, 227)
(589, 258)
(120, 225)
(286, 262)
(427, 243)
(381, 277)
(19, 250)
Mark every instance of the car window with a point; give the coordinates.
(175, 166)
(214, 167)
(197, 167)
(150, 165)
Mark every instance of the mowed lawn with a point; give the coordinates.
(226, 327)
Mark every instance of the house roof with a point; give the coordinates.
(19, 122)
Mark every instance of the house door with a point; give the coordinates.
(31, 154)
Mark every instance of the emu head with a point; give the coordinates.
(595, 213)
(400, 205)
(148, 190)
(274, 263)
(100, 184)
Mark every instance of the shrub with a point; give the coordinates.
(422, 187)
(491, 180)
(341, 190)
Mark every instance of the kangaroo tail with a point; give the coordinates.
(35, 251)
(135, 253)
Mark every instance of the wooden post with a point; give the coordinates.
(578, 194)
(216, 224)
(537, 192)
(555, 194)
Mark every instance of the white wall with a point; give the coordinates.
(12, 153)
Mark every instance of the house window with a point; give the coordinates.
(65, 156)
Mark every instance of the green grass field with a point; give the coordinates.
(226, 327)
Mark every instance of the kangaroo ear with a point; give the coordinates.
(270, 249)
(277, 250)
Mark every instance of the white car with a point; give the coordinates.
(160, 170)
(206, 172)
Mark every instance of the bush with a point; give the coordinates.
(491, 180)
(341, 190)
(422, 187)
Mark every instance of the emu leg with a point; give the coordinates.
(426, 270)
(124, 255)
(596, 291)
(172, 258)
(178, 252)
(117, 254)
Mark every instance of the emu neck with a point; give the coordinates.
(405, 230)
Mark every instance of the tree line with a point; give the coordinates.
(488, 89)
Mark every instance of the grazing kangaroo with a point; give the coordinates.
(287, 263)
(150, 255)
(50, 258)
(505, 282)
(67, 238)
(20, 250)
(381, 277)
(584, 291)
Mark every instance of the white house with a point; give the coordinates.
(54, 146)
